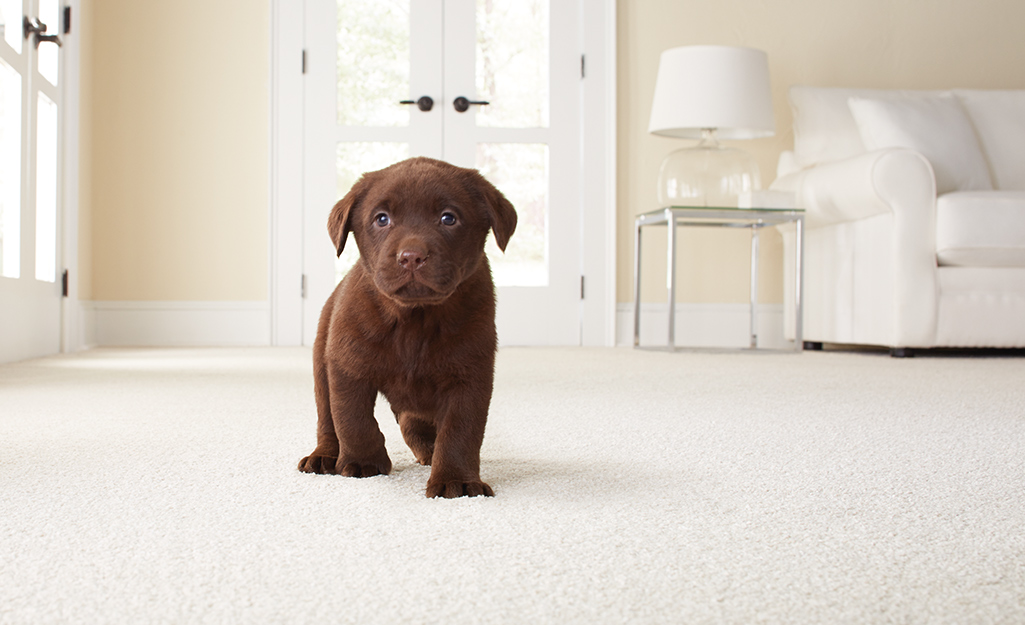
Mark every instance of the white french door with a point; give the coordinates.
(445, 59)
(30, 172)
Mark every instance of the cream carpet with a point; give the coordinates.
(159, 486)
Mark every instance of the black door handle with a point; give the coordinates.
(34, 26)
(425, 103)
(462, 105)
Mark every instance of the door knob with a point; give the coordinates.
(461, 104)
(425, 103)
(34, 26)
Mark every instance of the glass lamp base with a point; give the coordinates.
(707, 174)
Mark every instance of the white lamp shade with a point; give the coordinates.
(721, 87)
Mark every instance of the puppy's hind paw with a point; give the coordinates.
(318, 464)
(451, 490)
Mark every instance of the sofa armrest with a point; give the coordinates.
(863, 186)
(884, 203)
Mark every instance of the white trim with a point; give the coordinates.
(703, 325)
(72, 330)
(176, 323)
(598, 228)
(285, 234)
(319, 158)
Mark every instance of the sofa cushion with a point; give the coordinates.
(999, 120)
(824, 129)
(981, 229)
(935, 126)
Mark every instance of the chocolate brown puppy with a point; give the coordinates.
(414, 320)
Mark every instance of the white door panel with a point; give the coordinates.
(30, 173)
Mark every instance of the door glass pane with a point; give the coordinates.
(354, 159)
(46, 191)
(10, 171)
(10, 22)
(49, 14)
(520, 171)
(512, 63)
(373, 62)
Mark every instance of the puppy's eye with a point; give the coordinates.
(448, 219)
(382, 220)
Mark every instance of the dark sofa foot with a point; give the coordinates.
(902, 352)
(814, 346)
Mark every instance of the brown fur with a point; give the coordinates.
(414, 320)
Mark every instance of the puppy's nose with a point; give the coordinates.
(412, 259)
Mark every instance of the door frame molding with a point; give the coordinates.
(598, 201)
(598, 135)
(285, 217)
(74, 330)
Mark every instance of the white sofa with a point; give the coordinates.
(915, 226)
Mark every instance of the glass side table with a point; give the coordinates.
(753, 218)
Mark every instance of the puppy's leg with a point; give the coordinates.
(325, 456)
(361, 451)
(419, 434)
(455, 471)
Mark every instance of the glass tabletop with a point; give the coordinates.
(734, 209)
(728, 216)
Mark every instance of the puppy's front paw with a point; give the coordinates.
(318, 464)
(451, 490)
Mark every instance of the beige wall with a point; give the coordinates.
(926, 44)
(174, 146)
(175, 132)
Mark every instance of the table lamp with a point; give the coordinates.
(710, 93)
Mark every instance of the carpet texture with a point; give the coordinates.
(160, 486)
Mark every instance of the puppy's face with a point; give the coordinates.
(421, 226)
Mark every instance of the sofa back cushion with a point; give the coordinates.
(936, 127)
(999, 120)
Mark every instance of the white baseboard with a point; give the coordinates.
(175, 324)
(196, 324)
(703, 325)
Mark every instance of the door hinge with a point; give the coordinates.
(67, 20)
(581, 287)
(64, 283)
(583, 72)
(304, 61)
(302, 287)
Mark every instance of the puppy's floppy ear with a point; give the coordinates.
(500, 211)
(339, 223)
